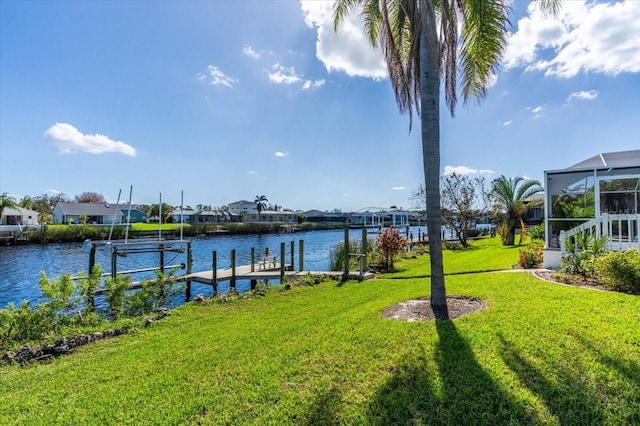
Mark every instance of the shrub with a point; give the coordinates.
(389, 244)
(151, 295)
(338, 255)
(620, 270)
(22, 323)
(88, 285)
(537, 232)
(531, 256)
(116, 289)
(582, 251)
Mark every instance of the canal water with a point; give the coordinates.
(20, 266)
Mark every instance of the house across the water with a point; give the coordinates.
(96, 214)
(600, 195)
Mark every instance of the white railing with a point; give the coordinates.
(621, 229)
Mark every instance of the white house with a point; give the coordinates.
(19, 216)
(600, 195)
(242, 206)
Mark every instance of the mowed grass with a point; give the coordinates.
(485, 254)
(539, 353)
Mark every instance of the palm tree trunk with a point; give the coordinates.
(430, 122)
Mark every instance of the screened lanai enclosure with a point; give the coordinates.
(600, 195)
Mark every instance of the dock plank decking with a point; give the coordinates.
(244, 272)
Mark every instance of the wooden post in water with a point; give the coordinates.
(189, 268)
(162, 292)
(92, 262)
(232, 282)
(301, 256)
(282, 261)
(365, 250)
(253, 267)
(345, 275)
(292, 254)
(214, 267)
(114, 262)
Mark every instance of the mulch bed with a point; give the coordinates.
(420, 309)
(573, 280)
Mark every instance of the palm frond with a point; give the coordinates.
(484, 39)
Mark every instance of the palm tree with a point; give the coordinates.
(511, 195)
(261, 204)
(6, 202)
(421, 41)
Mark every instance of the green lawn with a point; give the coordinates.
(486, 254)
(539, 353)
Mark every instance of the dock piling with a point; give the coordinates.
(214, 265)
(282, 265)
(232, 282)
(300, 256)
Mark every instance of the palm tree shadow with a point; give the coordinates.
(569, 398)
(325, 409)
(454, 391)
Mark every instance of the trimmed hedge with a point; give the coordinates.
(620, 270)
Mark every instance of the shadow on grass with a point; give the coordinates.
(568, 396)
(325, 409)
(454, 391)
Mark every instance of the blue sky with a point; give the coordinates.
(227, 100)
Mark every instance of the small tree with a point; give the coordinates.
(90, 197)
(390, 243)
(463, 200)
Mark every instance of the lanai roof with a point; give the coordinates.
(618, 159)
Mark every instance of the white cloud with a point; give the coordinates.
(585, 95)
(586, 37)
(398, 188)
(308, 84)
(507, 123)
(493, 80)
(283, 75)
(537, 109)
(68, 139)
(281, 154)
(346, 50)
(464, 170)
(252, 172)
(218, 78)
(248, 50)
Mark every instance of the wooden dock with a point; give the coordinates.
(246, 272)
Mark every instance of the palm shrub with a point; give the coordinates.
(537, 232)
(582, 251)
(511, 200)
(620, 270)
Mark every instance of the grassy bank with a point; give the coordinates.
(539, 353)
(485, 254)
